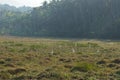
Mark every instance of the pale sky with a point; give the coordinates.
(18, 3)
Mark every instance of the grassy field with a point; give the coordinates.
(52, 59)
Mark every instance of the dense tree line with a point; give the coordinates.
(11, 17)
(67, 18)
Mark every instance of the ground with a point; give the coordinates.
(55, 59)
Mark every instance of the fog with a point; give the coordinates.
(18, 3)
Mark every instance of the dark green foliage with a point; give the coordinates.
(65, 18)
(118, 72)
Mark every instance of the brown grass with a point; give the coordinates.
(53, 59)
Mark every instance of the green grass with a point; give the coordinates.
(84, 67)
(50, 59)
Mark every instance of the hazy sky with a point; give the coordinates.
(18, 3)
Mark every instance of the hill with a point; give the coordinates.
(9, 15)
(12, 8)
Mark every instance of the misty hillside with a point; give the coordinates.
(66, 19)
(9, 15)
(12, 8)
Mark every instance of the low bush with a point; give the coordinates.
(4, 75)
(84, 67)
(2, 61)
(16, 71)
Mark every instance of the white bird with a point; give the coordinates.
(98, 51)
(52, 51)
(73, 50)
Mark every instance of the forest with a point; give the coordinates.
(91, 19)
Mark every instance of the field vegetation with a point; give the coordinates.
(53, 59)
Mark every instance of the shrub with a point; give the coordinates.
(18, 44)
(117, 61)
(17, 70)
(51, 75)
(4, 75)
(23, 77)
(23, 50)
(101, 62)
(11, 49)
(9, 65)
(84, 67)
(82, 45)
(37, 46)
(2, 61)
(79, 53)
(93, 44)
(118, 72)
(8, 59)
